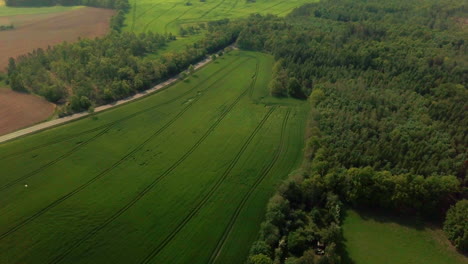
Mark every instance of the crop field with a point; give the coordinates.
(182, 176)
(372, 238)
(40, 30)
(168, 15)
(18, 110)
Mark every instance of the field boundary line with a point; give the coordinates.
(221, 242)
(210, 193)
(155, 181)
(63, 120)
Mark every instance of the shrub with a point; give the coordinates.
(456, 225)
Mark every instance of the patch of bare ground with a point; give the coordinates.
(43, 30)
(18, 110)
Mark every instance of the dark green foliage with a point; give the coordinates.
(6, 27)
(259, 259)
(106, 69)
(387, 83)
(456, 225)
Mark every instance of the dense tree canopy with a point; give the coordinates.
(387, 81)
(456, 225)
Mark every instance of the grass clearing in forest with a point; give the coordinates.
(181, 176)
(371, 238)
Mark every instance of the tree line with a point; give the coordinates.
(94, 72)
(387, 84)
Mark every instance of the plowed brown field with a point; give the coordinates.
(19, 110)
(42, 30)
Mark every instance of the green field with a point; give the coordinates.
(167, 16)
(372, 238)
(182, 176)
(13, 11)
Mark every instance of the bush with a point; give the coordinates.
(259, 259)
(456, 225)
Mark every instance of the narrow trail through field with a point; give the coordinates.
(67, 119)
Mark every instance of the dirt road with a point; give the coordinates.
(66, 119)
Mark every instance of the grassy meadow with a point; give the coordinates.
(373, 238)
(182, 176)
(167, 16)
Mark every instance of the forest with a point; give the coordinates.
(387, 129)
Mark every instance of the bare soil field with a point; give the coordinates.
(43, 30)
(19, 110)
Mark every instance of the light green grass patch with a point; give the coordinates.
(13, 11)
(372, 238)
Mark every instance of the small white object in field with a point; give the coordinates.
(25, 186)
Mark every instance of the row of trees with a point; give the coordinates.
(94, 72)
(388, 86)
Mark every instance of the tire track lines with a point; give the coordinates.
(61, 157)
(221, 242)
(15, 154)
(270, 7)
(154, 182)
(177, 18)
(211, 9)
(134, 14)
(103, 173)
(154, 19)
(116, 121)
(254, 78)
(97, 177)
(210, 193)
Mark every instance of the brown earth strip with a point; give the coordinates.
(43, 30)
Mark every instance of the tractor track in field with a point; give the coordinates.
(211, 9)
(103, 173)
(210, 193)
(270, 7)
(95, 178)
(15, 154)
(155, 18)
(254, 78)
(214, 188)
(154, 182)
(61, 157)
(134, 14)
(176, 19)
(227, 231)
